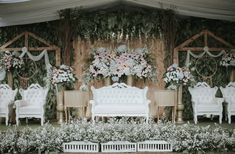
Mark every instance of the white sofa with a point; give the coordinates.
(119, 100)
(7, 97)
(204, 101)
(229, 96)
(32, 103)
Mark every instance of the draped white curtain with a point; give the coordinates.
(37, 58)
(25, 52)
(190, 53)
(34, 11)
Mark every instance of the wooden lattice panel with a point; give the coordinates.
(80, 146)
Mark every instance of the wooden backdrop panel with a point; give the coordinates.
(156, 46)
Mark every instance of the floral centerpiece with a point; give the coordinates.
(176, 76)
(120, 62)
(10, 60)
(62, 76)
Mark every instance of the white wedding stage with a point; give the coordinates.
(117, 76)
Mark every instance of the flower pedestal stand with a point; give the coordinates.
(129, 80)
(180, 106)
(107, 81)
(9, 79)
(60, 104)
(60, 107)
(10, 83)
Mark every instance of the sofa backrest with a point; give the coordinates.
(6, 95)
(34, 95)
(229, 90)
(119, 93)
(203, 93)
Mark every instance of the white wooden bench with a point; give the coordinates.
(120, 100)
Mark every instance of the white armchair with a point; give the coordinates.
(204, 101)
(229, 96)
(7, 96)
(32, 103)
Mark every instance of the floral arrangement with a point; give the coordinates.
(187, 138)
(121, 62)
(62, 75)
(227, 59)
(175, 76)
(10, 60)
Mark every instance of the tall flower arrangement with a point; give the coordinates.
(176, 76)
(121, 62)
(62, 75)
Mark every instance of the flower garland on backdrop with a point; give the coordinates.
(120, 62)
(176, 76)
(62, 75)
(9, 61)
(205, 52)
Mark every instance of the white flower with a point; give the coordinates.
(63, 74)
(174, 76)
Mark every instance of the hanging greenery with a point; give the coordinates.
(122, 22)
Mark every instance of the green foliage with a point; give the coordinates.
(48, 31)
(103, 23)
(190, 26)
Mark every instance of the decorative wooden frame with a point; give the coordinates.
(26, 35)
(205, 33)
(184, 47)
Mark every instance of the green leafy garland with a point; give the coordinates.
(107, 24)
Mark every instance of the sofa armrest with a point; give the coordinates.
(20, 103)
(92, 102)
(195, 101)
(17, 103)
(228, 99)
(219, 100)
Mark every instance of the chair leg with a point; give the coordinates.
(17, 121)
(147, 119)
(93, 119)
(157, 114)
(66, 114)
(229, 118)
(42, 121)
(6, 120)
(220, 119)
(173, 114)
(195, 119)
